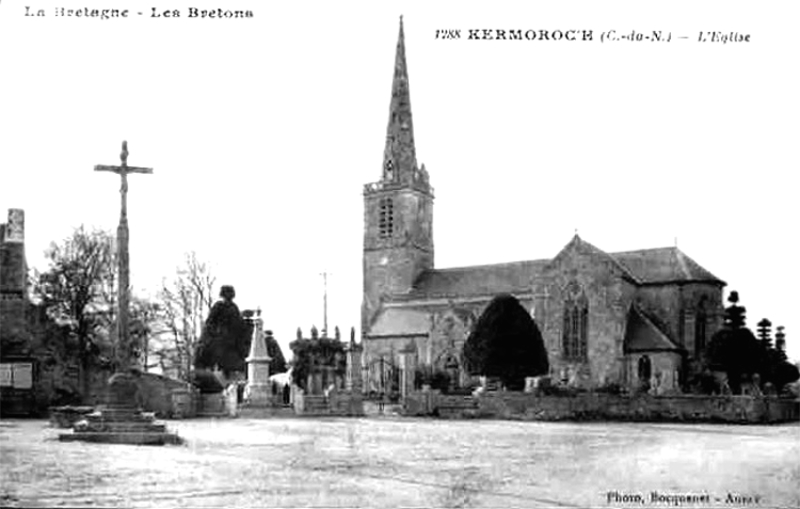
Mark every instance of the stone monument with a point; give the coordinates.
(121, 420)
(258, 391)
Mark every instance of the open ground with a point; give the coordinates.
(404, 462)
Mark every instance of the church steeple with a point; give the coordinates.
(398, 209)
(399, 156)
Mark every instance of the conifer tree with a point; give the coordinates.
(734, 349)
(765, 333)
(506, 343)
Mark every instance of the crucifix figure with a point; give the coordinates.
(124, 351)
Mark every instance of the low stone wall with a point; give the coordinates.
(212, 404)
(184, 403)
(157, 396)
(163, 396)
(594, 406)
(337, 403)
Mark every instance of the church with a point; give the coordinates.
(622, 320)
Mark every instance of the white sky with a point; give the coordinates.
(262, 133)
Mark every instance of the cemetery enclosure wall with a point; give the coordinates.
(338, 403)
(588, 406)
(156, 394)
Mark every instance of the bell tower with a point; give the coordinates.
(398, 209)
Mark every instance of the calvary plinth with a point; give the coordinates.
(258, 391)
(121, 420)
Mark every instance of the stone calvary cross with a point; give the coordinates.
(124, 353)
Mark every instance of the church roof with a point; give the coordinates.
(664, 265)
(515, 277)
(400, 322)
(645, 266)
(578, 243)
(642, 335)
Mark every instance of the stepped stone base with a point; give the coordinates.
(116, 425)
(120, 422)
(141, 438)
(67, 416)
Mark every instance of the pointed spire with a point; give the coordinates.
(399, 157)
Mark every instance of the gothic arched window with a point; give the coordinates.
(645, 368)
(386, 218)
(700, 320)
(576, 326)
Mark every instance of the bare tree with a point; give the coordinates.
(145, 321)
(185, 301)
(72, 291)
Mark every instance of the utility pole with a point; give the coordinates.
(325, 303)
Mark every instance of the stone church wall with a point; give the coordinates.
(13, 269)
(673, 307)
(388, 272)
(712, 302)
(14, 334)
(665, 372)
(609, 297)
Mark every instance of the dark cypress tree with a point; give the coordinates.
(734, 349)
(224, 341)
(765, 333)
(735, 314)
(506, 343)
(780, 342)
(784, 371)
(277, 364)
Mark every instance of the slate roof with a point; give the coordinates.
(644, 266)
(663, 265)
(400, 321)
(642, 335)
(515, 277)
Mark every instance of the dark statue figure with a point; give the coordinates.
(224, 342)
